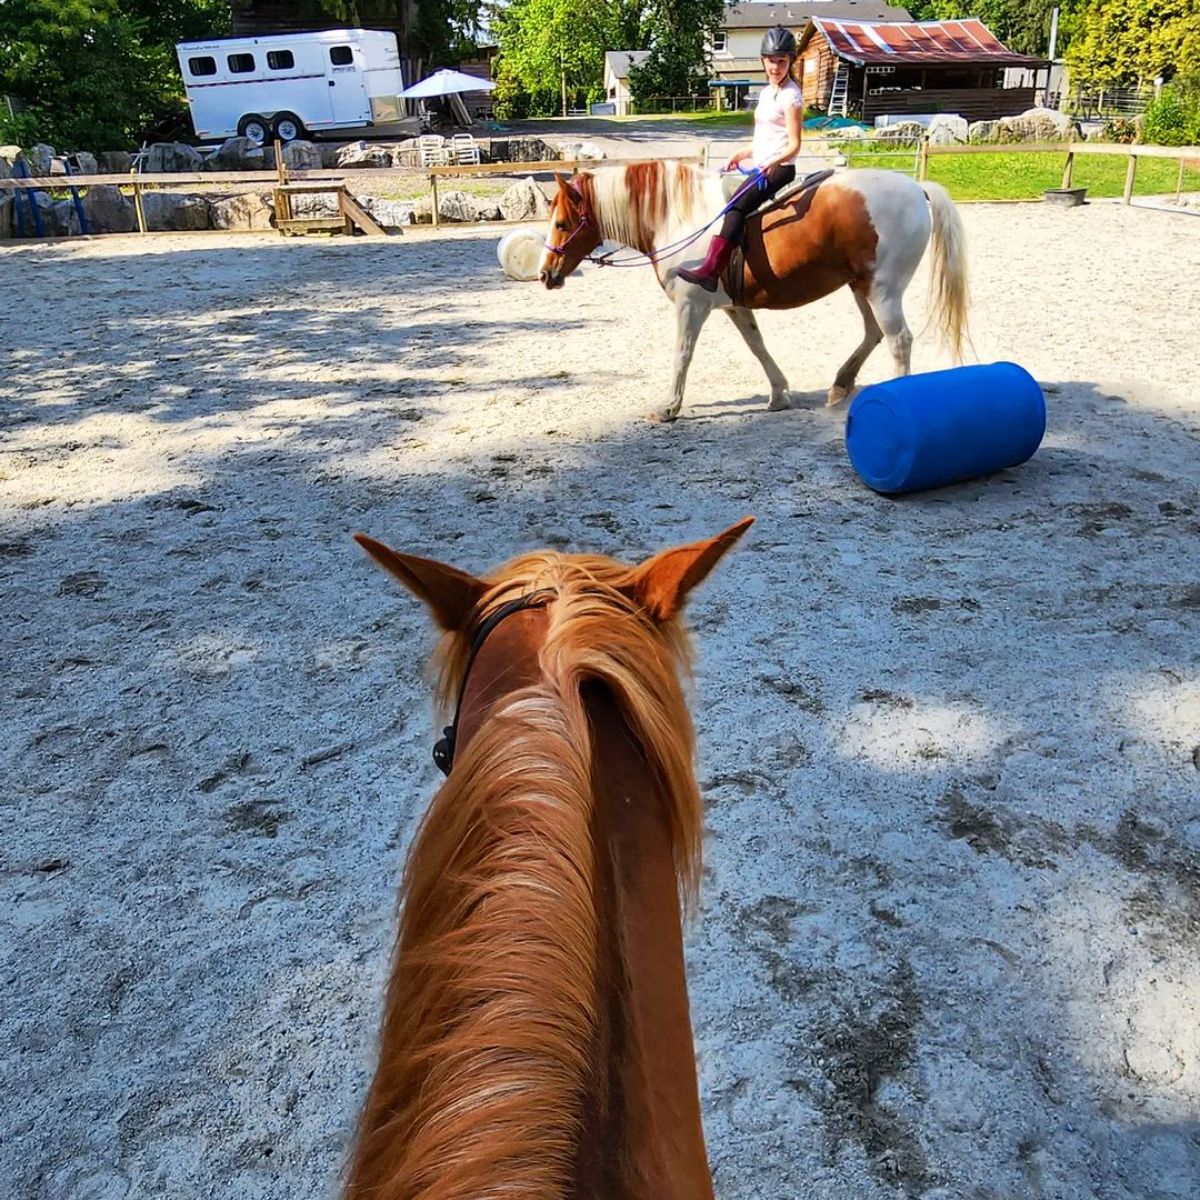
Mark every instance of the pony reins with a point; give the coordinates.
(756, 178)
(443, 749)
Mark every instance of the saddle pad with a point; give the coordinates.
(732, 182)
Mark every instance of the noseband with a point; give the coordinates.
(443, 750)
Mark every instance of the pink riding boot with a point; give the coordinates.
(708, 274)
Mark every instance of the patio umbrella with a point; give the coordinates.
(446, 83)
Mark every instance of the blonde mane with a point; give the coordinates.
(493, 1002)
(635, 202)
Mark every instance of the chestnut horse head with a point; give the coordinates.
(536, 1039)
(573, 234)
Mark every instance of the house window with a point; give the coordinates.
(720, 42)
(280, 60)
(240, 64)
(341, 56)
(202, 66)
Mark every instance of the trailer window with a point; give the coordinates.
(341, 56)
(202, 66)
(240, 64)
(280, 60)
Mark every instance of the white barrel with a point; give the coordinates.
(520, 253)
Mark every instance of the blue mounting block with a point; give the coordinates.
(923, 431)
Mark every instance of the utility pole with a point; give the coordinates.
(562, 72)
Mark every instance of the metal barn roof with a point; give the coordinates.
(918, 43)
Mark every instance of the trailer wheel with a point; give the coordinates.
(288, 127)
(254, 127)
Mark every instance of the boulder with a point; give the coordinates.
(115, 162)
(983, 132)
(1038, 125)
(236, 154)
(5, 171)
(452, 206)
(108, 211)
(902, 131)
(391, 214)
(86, 163)
(947, 129)
(170, 157)
(301, 156)
(175, 211)
(524, 201)
(320, 204)
(40, 159)
(586, 150)
(6, 215)
(523, 149)
(251, 210)
(487, 210)
(406, 153)
(64, 220)
(361, 155)
(9, 155)
(329, 154)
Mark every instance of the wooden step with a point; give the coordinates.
(300, 225)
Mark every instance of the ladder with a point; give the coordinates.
(840, 91)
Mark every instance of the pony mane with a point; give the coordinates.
(493, 1002)
(632, 202)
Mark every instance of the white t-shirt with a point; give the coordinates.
(770, 119)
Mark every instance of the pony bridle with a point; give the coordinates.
(443, 749)
(585, 222)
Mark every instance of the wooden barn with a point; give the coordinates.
(869, 69)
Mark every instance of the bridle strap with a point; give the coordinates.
(443, 750)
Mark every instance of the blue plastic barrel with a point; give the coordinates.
(922, 431)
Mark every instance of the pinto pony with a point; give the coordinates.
(536, 1041)
(865, 229)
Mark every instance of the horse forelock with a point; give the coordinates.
(494, 1000)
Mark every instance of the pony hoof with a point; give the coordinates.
(662, 416)
(780, 403)
(837, 394)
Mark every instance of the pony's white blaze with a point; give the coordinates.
(657, 208)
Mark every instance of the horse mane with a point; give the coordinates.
(631, 202)
(494, 1000)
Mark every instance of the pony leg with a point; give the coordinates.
(690, 316)
(747, 326)
(843, 383)
(889, 312)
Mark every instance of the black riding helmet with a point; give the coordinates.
(778, 40)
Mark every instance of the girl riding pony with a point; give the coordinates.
(777, 124)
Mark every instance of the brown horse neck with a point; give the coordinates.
(643, 1138)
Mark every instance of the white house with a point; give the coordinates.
(616, 77)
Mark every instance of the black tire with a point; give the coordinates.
(254, 127)
(288, 127)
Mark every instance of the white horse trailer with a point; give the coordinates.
(286, 84)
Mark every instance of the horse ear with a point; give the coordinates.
(450, 594)
(662, 583)
(565, 185)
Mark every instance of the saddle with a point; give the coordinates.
(734, 276)
(732, 182)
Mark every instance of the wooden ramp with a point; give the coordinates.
(351, 215)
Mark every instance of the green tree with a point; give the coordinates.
(1135, 41)
(98, 74)
(552, 47)
(680, 33)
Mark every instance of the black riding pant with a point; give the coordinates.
(754, 192)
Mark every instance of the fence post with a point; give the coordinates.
(1179, 182)
(137, 202)
(1129, 175)
(1069, 168)
(433, 188)
(923, 160)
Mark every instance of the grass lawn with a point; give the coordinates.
(1011, 175)
(705, 120)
